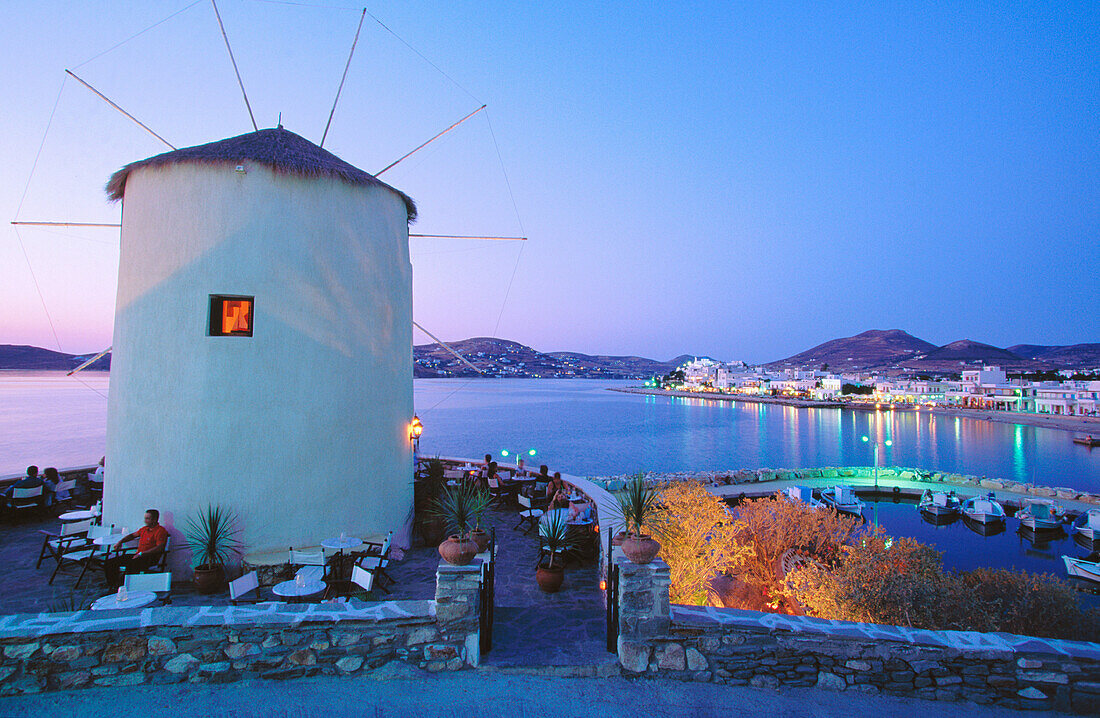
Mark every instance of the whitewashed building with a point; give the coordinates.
(262, 344)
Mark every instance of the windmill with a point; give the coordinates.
(263, 330)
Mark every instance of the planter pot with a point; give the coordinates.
(617, 539)
(640, 549)
(209, 579)
(480, 538)
(458, 551)
(549, 579)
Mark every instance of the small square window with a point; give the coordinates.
(230, 316)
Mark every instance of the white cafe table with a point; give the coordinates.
(108, 541)
(134, 599)
(290, 589)
(83, 515)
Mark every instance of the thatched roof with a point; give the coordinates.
(279, 149)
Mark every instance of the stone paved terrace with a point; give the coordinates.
(531, 627)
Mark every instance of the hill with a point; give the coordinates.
(21, 356)
(504, 358)
(1072, 356)
(870, 349)
(951, 357)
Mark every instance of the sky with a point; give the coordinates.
(741, 180)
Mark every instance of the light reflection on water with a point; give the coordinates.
(580, 427)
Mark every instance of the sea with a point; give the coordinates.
(582, 428)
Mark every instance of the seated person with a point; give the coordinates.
(558, 492)
(580, 512)
(50, 481)
(152, 539)
(29, 481)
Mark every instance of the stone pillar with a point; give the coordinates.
(457, 607)
(643, 610)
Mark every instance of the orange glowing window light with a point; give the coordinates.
(230, 316)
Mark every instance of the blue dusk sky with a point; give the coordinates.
(743, 180)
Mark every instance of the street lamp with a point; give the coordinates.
(875, 445)
(415, 430)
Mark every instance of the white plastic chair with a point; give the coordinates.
(362, 578)
(25, 498)
(312, 564)
(158, 583)
(528, 514)
(240, 588)
(70, 536)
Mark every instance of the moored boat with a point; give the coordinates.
(1082, 568)
(985, 510)
(1039, 515)
(1089, 440)
(939, 503)
(984, 529)
(842, 498)
(1088, 524)
(804, 494)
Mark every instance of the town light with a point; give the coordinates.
(415, 430)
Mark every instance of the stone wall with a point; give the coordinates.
(43, 652)
(764, 650)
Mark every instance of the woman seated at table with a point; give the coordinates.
(580, 512)
(558, 492)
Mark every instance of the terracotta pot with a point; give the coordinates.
(458, 551)
(640, 549)
(549, 579)
(480, 538)
(617, 539)
(209, 579)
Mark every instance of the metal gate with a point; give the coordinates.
(488, 594)
(612, 598)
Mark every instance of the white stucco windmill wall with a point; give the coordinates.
(301, 428)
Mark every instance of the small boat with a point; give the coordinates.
(1040, 515)
(804, 494)
(1087, 524)
(1082, 568)
(1089, 440)
(984, 510)
(939, 519)
(842, 498)
(939, 503)
(984, 529)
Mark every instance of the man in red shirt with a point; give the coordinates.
(152, 540)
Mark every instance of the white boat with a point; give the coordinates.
(1088, 524)
(983, 510)
(939, 503)
(804, 494)
(1081, 568)
(842, 498)
(1039, 515)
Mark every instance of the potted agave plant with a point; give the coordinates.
(456, 507)
(638, 504)
(555, 540)
(212, 535)
(480, 499)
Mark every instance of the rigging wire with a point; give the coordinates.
(519, 219)
(34, 165)
(115, 47)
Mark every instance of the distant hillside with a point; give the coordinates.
(1073, 356)
(504, 358)
(21, 356)
(950, 357)
(871, 349)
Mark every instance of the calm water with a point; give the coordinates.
(49, 419)
(579, 426)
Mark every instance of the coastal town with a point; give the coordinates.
(988, 388)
